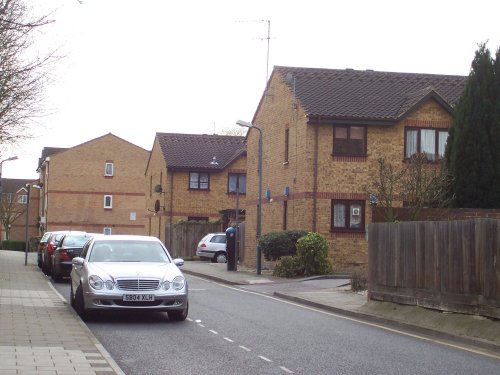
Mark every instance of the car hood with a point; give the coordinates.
(134, 270)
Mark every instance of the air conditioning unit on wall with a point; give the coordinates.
(356, 212)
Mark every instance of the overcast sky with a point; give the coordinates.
(134, 68)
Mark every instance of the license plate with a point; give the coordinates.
(138, 297)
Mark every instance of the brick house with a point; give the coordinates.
(13, 204)
(97, 186)
(194, 177)
(323, 132)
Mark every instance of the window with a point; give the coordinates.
(348, 215)
(198, 181)
(107, 231)
(287, 142)
(349, 141)
(108, 201)
(108, 169)
(431, 142)
(22, 199)
(237, 182)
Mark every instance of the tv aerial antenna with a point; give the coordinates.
(268, 38)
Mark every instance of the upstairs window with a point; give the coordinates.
(108, 201)
(431, 142)
(349, 141)
(108, 169)
(199, 181)
(21, 199)
(237, 182)
(348, 215)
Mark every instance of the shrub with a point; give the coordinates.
(13, 245)
(275, 245)
(312, 254)
(359, 281)
(289, 266)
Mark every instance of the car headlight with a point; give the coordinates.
(96, 282)
(109, 284)
(165, 285)
(178, 283)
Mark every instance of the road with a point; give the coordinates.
(231, 330)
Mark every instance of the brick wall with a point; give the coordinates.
(178, 202)
(339, 178)
(75, 186)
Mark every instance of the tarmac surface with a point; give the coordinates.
(41, 334)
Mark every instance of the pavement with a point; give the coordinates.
(41, 334)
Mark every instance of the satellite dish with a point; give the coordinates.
(158, 189)
(157, 205)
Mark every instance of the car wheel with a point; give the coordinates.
(80, 309)
(45, 268)
(55, 276)
(72, 296)
(178, 315)
(220, 258)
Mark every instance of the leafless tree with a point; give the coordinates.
(235, 131)
(415, 184)
(386, 188)
(10, 211)
(23, 73)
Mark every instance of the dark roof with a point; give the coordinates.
(196, 151)
(13, 185)
(47, 151)
(333, 95)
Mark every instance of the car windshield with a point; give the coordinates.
(128, 251)
(75, 241)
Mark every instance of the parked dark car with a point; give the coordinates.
(41, 247)
(69, 246)
(52, 242)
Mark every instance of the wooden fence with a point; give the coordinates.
(182, 239)
(446, 265)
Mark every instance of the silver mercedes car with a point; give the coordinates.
(124, 272)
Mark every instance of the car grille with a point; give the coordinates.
(138, 284)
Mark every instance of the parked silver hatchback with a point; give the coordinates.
(213, 247)
(123, 272)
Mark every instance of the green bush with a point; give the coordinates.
(312, 254)
(13, 245)
(289, 266)
(275, 245)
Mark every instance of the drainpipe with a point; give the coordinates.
(171, 215)
(315, 177)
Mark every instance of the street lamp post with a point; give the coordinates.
(1, 163)
(259, 205)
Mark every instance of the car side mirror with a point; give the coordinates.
(179, 262)
(78, 261)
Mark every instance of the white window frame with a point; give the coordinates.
(110, 205)
(22, 199)
(109, 173)
(107, 231)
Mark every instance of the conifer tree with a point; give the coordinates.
(470, 153)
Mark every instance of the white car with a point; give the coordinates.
(123, 272)
(213, 247)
